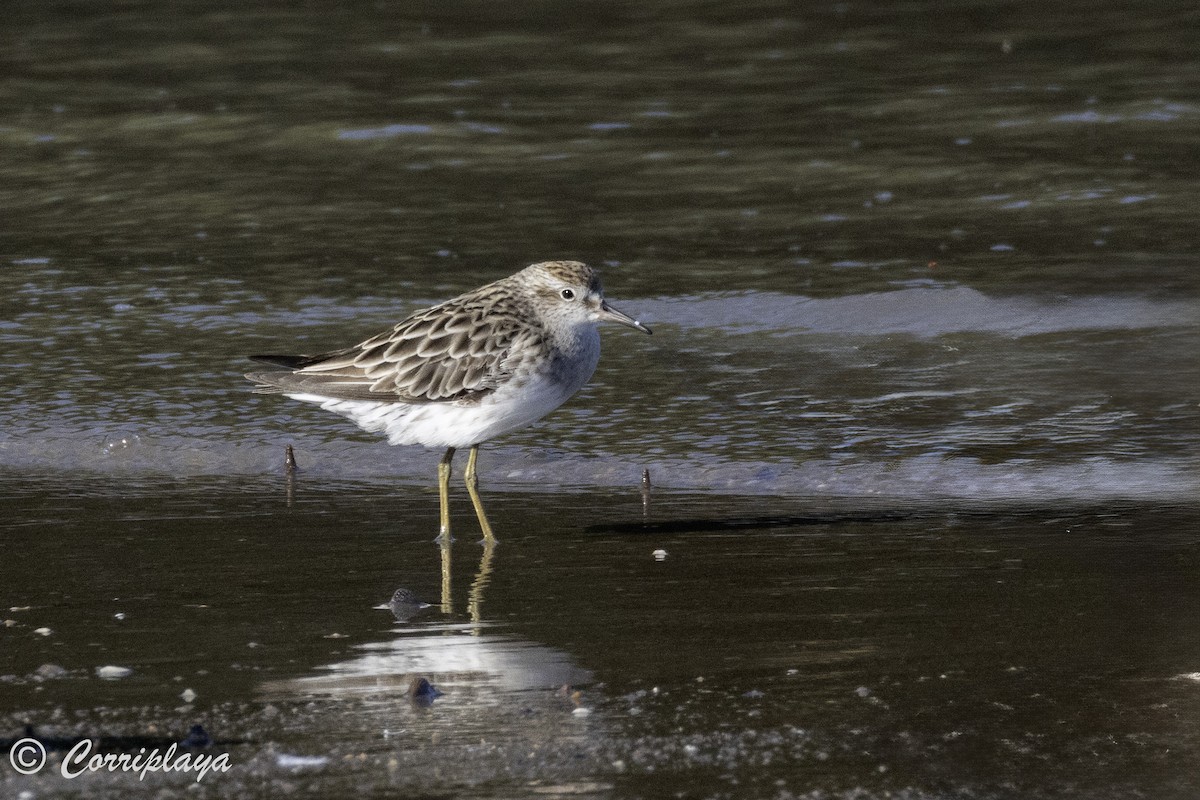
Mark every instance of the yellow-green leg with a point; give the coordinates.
(472, 481)
(444, 490)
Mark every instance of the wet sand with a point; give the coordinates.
(774, 650)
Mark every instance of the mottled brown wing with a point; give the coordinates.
(454, 351)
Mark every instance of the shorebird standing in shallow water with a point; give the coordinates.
(465, 371)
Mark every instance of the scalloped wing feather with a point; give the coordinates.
(454, 351)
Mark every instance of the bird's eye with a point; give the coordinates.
(567, 294)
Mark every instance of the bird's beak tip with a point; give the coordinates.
(613, 315)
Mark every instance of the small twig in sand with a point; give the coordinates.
(646, 493)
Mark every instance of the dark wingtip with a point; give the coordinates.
(291, 362)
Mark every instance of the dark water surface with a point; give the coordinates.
(922, 407)
(842, 652)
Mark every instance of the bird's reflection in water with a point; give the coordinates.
(447, 601)
(404, 604)
(483, 577)
(457, 657)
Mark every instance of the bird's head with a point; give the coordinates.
(572, 291)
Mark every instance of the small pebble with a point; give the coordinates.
(50, 671)
(112, 673)
(288, 761)
(188, 695)
(659, 555)
(42, 631)
(197, 737)
(422, 692)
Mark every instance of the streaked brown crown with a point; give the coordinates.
(572, 272)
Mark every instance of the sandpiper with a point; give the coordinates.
(464, 371)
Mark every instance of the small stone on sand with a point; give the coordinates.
(110, 672)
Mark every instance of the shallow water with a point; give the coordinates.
(923, 396)
(838, 652)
